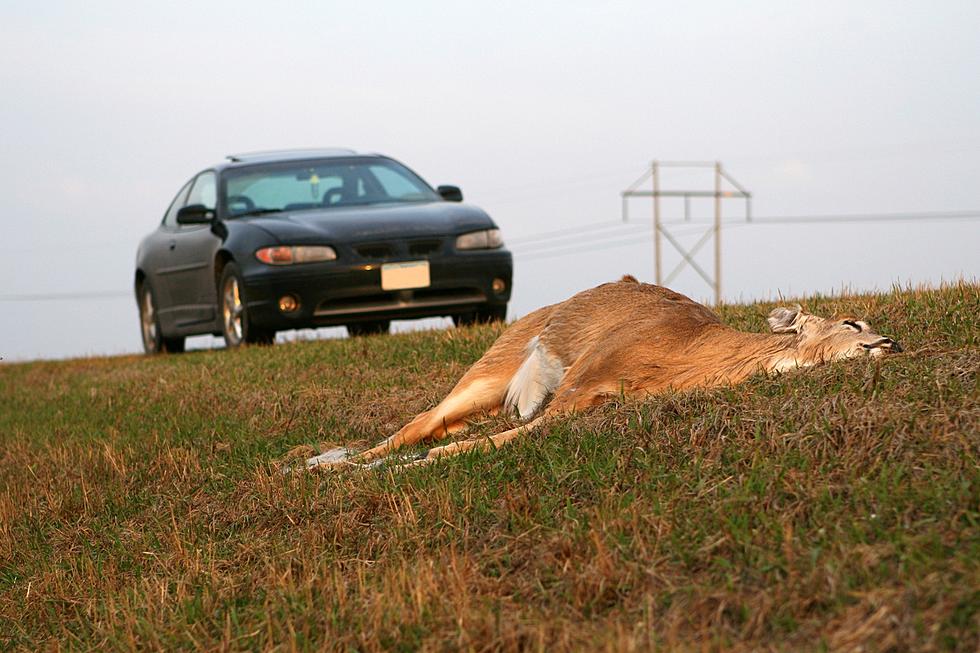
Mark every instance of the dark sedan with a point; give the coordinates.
(285, 240)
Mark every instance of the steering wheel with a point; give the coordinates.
(244, 200)
(331, 196)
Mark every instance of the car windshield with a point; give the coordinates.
(328, 183)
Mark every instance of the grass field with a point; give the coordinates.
(838, 508)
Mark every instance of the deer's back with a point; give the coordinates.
(600, 315)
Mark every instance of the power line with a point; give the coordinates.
(788, 219)
(534, 256)
(598, 243)
(543, 250)
(576, 230)
(568, 248)
(637, 230)
(61, 296)
(634, 230)
(872, 217)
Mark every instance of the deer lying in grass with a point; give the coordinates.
(618, 338)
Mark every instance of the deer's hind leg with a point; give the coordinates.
(472, 395)
(579, 389)
(482, 389)
(484, 444)
(568, 398)
(596, 377)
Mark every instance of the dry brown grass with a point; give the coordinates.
(833, 509)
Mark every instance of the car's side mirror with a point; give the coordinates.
(450, 193)
(195, 214)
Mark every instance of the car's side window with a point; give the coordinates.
(204, 191)
(170, 218)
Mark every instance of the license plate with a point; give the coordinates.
(400, 276)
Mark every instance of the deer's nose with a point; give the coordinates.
(887, 344)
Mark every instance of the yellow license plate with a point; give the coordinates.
(401, 276)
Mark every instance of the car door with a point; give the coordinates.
(191, 277)
(158, 258)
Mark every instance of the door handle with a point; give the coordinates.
(173, 244)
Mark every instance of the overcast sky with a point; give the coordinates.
(541, 111)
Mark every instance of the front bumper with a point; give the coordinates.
(335, 293)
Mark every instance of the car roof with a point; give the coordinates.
(301, 154)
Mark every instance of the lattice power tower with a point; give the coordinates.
(660, 227)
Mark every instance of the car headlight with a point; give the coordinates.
(289, 255)
(485, 239)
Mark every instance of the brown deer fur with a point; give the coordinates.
(626, 338)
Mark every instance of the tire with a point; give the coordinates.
(153, 340)
(485, 315)
(236, 326)
(378, 327)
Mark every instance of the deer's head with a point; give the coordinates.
(824, 339)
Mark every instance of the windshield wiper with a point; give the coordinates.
(256, 212)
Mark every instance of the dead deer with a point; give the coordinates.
(622, 338)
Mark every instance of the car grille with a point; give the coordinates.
(375, 250)
(422, 298)
(381, 251)
(423, 247)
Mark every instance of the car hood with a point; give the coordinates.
(372, 222)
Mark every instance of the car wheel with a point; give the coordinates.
(236, 327)
(153, 340)
(485, 315)
(368, 328)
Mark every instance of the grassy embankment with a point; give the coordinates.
(826, 509)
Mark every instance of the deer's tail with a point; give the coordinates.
(536, 379)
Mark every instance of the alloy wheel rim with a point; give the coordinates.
(148, 321)
(233, 310)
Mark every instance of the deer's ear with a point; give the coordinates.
(786, 320)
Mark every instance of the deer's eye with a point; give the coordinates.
(854, 325)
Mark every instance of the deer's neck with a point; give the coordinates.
(735, 355)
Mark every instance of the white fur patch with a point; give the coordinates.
(539, 375)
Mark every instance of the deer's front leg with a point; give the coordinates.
(467, 399)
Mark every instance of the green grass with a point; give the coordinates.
(832, 509)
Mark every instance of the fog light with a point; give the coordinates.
(499, 286)
(288, 303)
